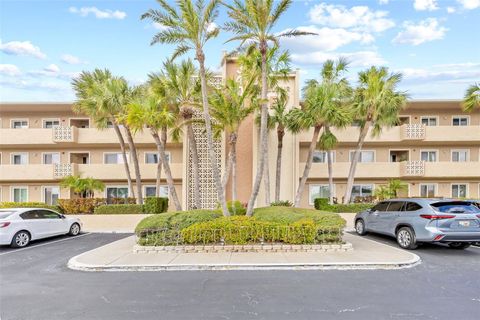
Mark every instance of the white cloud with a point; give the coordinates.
(9, 70)
(359, 18)
(451, 10)
(356, 59)
(383, 1)
(52, 71)
(212, 26)
(22, 48)
(443, 73)
(69, 59)
(327, 39)
(425, 31)
(422, 5)
(159, 26)
(99, 14)
(53, 68)
(469, 4)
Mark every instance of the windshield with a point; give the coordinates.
(5, 214)
(456, 207)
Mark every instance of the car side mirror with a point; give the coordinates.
(62, 216)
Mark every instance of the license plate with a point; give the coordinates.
(464, 223)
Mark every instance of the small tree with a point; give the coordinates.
(472, 98)
(83, 187)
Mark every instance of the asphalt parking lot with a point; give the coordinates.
(36, 284)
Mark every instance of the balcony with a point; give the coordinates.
(28, 172)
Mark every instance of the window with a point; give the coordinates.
(455, 207)
(51, 158)
(362, 190)
(47, 214)
(459, 155)
(459, 190)
(50, 123)
(412, 206)
(382, 206)
(51, 195)
(116, 192)
(19, 124)
(429, 121)
(151, 191)
(19, 194)
(460, 121)
(365, 156)
(427, 190)
(320, 156)
(428, 156)
(29, 215)
(152, 157)
(109, 124)
(395, 206)
(318, 191)
(113, 158)
(19, 158)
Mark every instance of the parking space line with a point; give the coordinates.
(44, 244)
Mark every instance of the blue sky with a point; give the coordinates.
(434, 43)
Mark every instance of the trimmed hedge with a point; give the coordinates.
(322, 204)
(119, 209)
(271, 224)
(6, 205)
(281, 203)
(155, 205)
(88, 205)
(236, 208)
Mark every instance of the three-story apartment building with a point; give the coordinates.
(435, 150)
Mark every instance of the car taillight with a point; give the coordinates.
(4, 224)
(437, 216)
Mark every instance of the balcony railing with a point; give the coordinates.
(413, 132)
(62, 170)
(63, 134)
(415, 168)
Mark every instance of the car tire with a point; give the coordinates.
(20, 239)
(406, 238)
(74, 229)
(360, 227)
(459, 245)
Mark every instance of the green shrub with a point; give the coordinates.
(281, 203)
(322, 204)
(119, 209)
(80, 205)
(236, 208)
(154, 205)
(6, 205)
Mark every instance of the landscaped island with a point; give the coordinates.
(285, 225)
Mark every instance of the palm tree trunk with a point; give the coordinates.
(233, 150)
(280, 134)
(138, 178)
(353, 165)
(125, 160)
(208, 125)
(308, 165)
(330, 176)
(168, 172)
(228, 170)
(267, 179)
(196, 175)
(159, 165)
(263, 132)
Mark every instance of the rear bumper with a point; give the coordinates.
(462, 237)
(436, 235)
(5, 239)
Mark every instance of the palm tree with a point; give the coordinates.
(395, 186)
(377, 103)
(253, 22)
(472, 98)
(229, 110)
(190, 27)
(326, 103)
(149, 110)
(84, 187)
(94, 98)
(327, 142)
(181, 83)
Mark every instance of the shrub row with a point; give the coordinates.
(236, 208)
(88, 205)
(323, 205)
(6, 205)
(281, 203)
(120, 209)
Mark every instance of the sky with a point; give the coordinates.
(435, 44)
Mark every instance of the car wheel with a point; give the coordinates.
(459, 245)
(74, 229)
(406, 238)
(20, 239)
(360, 227)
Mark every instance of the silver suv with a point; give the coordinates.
(413, 221)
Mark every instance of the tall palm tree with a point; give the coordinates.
(190, 26)
(181, 83)
(228, 107)
(278, 68)
(253, 21)
(377, 104)
(149, 110)
(327, 142)
(472, 98)
(95, 99)
(326, 103)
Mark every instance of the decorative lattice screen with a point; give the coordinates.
(208, 193)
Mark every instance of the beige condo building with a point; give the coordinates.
(435, 149)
